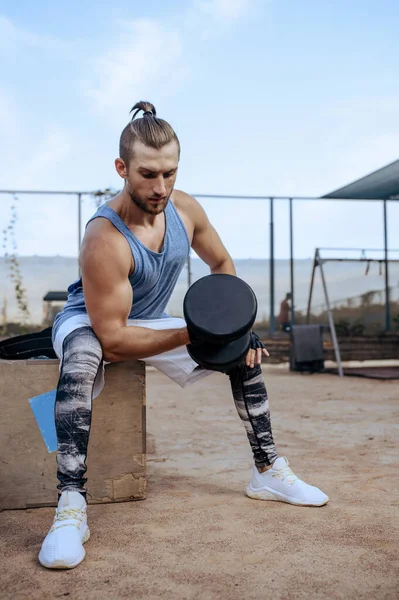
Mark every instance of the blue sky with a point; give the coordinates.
(267, 97)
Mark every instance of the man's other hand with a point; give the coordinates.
(254, 356)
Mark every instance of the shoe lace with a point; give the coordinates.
(66, 515)
(285, 473)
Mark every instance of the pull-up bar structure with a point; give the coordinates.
(318, 262)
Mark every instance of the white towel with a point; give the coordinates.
(176, 364)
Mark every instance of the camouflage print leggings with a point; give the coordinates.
(82, 356)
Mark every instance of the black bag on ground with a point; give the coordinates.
(306, 352)
(30, 345)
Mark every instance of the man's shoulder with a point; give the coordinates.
(101, 228)
(102, 247)
(100, 234)
(187, 204)
(182, 200)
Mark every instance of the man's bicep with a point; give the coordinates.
(107, 291)
(207, 243)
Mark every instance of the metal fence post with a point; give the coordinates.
(387, 303)
(292, 265)
(272, 327)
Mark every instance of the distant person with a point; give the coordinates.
(284, 319)
(133, 251)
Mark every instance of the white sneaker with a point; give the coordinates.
(281, 484)
(63, 545)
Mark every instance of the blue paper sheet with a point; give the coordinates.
(43, 410)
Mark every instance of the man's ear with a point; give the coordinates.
(121, 168)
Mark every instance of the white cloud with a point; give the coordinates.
(146, 58)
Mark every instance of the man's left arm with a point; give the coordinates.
(207, 243)
(210, 248)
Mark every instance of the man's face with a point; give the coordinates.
(151, 176)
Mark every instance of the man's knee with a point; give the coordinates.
(82, 352)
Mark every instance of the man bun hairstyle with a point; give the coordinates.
(147, 108)
(147, 129)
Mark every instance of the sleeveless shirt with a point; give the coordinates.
(155, 273)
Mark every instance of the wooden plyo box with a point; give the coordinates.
(116, 462)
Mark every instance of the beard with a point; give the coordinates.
(146, 205)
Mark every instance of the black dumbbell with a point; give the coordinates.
(219, 311)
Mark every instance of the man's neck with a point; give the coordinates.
(130, 213)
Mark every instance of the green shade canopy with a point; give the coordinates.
(382, 184)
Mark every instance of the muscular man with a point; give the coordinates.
(133, 251)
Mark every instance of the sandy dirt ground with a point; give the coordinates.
(197, 536)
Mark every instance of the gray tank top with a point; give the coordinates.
(155, 273)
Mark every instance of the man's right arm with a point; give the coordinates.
(105, 264)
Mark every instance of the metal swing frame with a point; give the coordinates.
(319, 261)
